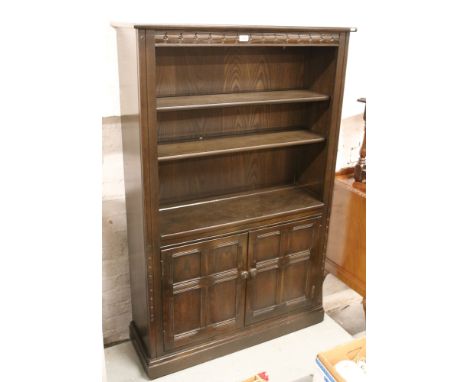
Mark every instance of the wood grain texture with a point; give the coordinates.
(218, 146)
(198, 217)
(187, 71)
(237, 99)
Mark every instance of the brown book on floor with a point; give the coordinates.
(353, 351)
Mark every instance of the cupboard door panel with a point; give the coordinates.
(203, 291)
(267, 246)
(295, 278)
(222, 302)
(223, 258)
(187, 309)
(283, 269)
(187, 265)
(265, 296)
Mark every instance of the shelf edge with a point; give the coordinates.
(318, 98)
(169, 158)
(311, 208)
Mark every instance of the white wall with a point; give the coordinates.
(292, 13)
(110, 100)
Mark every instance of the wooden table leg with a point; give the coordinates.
(360, 168)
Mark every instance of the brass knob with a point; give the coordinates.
(244, 274)
(253, 272)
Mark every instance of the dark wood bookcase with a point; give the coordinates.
(230, 136)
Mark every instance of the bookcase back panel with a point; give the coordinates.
(196, 178)
(210, 70)
(321, 69)
(195, 124)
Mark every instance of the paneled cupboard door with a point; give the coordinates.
(203, 289)
(284, 269)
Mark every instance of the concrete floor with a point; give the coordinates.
(344, 306)
(290, 358)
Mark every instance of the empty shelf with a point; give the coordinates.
(238, 143)
(220, 213)
(237, 99)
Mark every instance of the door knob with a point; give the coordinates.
(244, 275)
(253, 272)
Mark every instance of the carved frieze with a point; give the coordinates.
(235, 38)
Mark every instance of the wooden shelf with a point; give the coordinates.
(238, 143)
(237, 99)
(208, 214)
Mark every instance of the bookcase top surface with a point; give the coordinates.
(212, 27)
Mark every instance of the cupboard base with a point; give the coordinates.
(170, 363)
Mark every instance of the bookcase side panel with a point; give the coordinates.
(321, 74)
(133, 120)
(148, 79)
(332, 146)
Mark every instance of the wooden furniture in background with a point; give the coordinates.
(346, 250)
(346, 253)
(230, 138)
